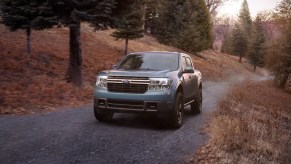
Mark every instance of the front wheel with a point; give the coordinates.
(177, 115)
(196, 106)
(102, 117)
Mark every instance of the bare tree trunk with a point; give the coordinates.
(240, 58)
(126, 46)
(144, 17)
(28, 47)
(74, 72)
(281, 79)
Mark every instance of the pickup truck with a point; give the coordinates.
(159, 83)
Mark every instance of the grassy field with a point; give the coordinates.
(252, 124)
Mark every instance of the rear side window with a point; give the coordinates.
(188, 62)
(184, 62)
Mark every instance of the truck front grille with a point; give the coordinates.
(127, 84)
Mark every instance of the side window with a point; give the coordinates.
(128, 63)
(189, 63)
(184, 63)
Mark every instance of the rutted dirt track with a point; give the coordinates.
(74, 136)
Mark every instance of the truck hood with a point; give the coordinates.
(136, 73)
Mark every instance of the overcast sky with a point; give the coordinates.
(232, 7)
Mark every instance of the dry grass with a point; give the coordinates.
(33, 84)
(252, 125)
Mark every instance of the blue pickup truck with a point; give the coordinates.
(159, 83)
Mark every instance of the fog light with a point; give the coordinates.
(101, 102)
(151, 105)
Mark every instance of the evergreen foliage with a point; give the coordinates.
(96, 12)
(239, 42)
(256, 48)
(185, 24)
(151, 15)
(226, 46)
(196, 27)
(168, 23)
(245, 19)
(71, 13)
(130, 25)
(27, 15)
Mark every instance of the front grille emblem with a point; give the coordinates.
(127, 82)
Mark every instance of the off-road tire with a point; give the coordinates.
(196, 106)
(178, 113)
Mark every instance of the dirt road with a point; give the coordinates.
(74, 136)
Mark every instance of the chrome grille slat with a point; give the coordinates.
(133, 85)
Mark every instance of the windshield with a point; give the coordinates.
(151, 61)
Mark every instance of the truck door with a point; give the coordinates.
(193, 85)
(187, 81)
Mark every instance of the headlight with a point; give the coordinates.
(157, 84)
(101, 81)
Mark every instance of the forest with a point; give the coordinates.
(189, 25)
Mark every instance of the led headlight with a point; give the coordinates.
(157, 84)
(101, 81)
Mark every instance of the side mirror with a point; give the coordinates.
(188, 70)
(113, 67)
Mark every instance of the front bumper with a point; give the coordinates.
(149, 102)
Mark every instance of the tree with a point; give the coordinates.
(226, 46)
(185, 24)
(130, 25)
(245, 19)
(242, 31)
(151, 15)
(27, 15)
(239, 42)
(168, 22)
(195, 34)
(222, 34)
(212, 5)
(256, 49)
(279, 56)
(71, 14)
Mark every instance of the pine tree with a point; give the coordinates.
(185, 24)
(130, 25)
(239, 42)
(151, 15)
(71, 14)
(242, 31)
(195, 34)
(226, 46)
(27, 15)
(168, 22)
(245, 19)
(256, 48)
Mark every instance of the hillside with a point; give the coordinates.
(35, 83)
(251, 125)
